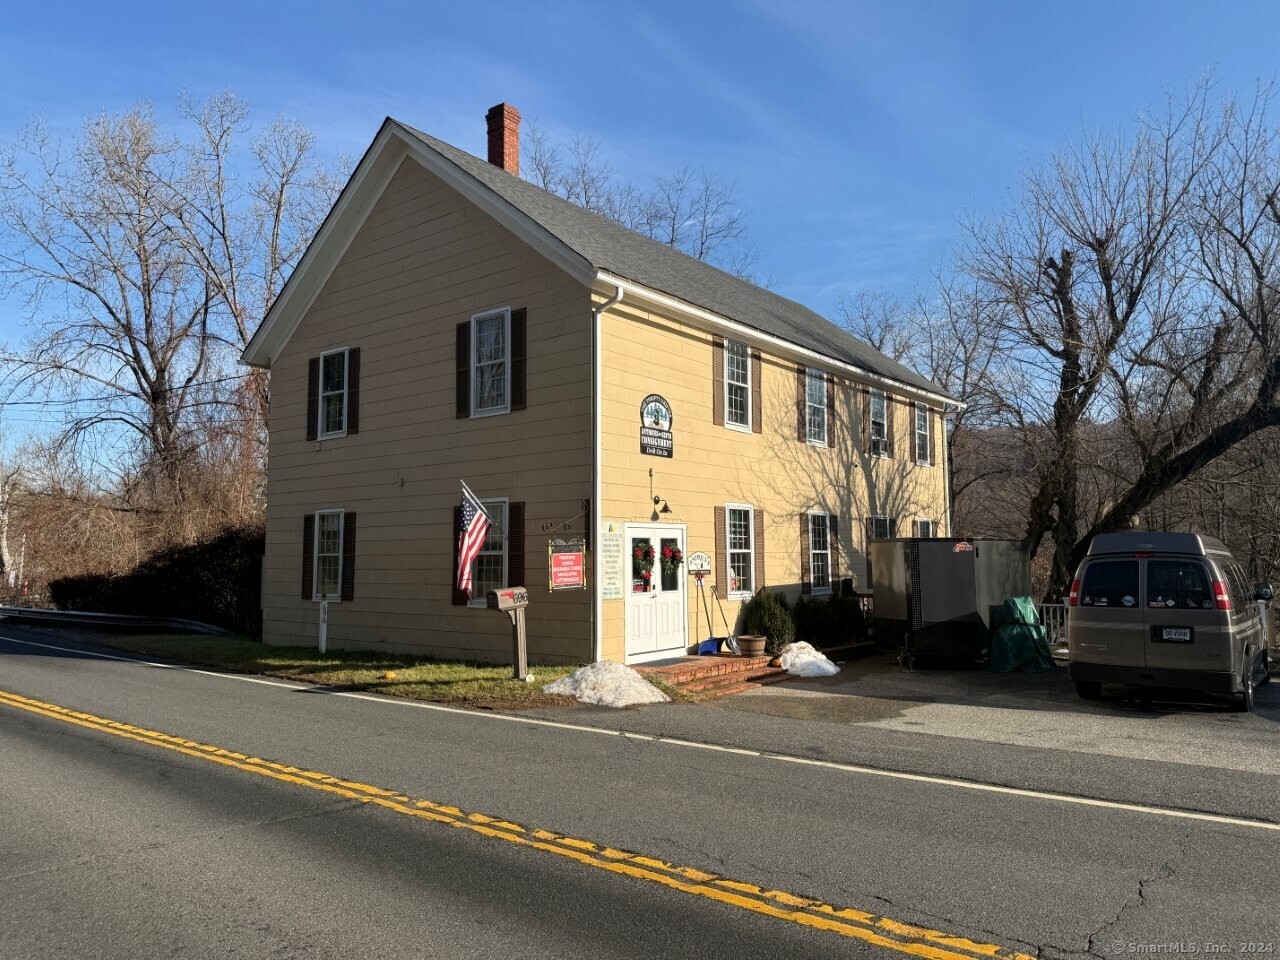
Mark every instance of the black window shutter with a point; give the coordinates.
(866, 420)
(802, 410)
(462, 363)
(806, 572)
(313, 396)
(722, 553)
(717, 381)
(831, 410)
(519, 340)
(757, 393)
(893, 527)
(353, 390)
(933, 437)
(308, 556)
(890, 415)
(459, 598)
(759, 549)
(871, 531)
(348, 556)
(833, 541)
(515, 545)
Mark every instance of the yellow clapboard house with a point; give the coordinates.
(598, 391)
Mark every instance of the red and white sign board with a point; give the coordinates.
(568, 571)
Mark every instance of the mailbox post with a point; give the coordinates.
(512, 601)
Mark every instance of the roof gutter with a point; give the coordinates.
(597, 480)
(748, 334)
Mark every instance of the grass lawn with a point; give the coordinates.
(442, 681)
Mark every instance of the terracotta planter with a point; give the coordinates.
(751, 645)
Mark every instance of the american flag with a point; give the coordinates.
(471, 533)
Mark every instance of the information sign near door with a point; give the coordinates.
(567, 564)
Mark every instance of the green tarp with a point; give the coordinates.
(1019, 642)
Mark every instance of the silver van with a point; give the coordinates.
(1165, 610)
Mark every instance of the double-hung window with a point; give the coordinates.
(820, 552)
(333, 394)
(328, 555)
(742, 555)
(879, 423)
(879, 528)
(923, 438)
(489, 569)
(926, 529)
(491, 362)
(737, 384)
(815, 396)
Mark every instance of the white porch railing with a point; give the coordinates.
(1054, 618)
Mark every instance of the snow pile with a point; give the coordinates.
(607, 685)
(804, 661)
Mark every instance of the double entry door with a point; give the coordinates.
(657, 624)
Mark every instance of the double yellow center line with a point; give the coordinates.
(869, 927)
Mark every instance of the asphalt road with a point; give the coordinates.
(115, 844)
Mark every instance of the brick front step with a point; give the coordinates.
(717, 675)
(723, 682)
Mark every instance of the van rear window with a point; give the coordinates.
(1110, 583)
(1182, 584)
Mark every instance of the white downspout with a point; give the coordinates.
(597, 433)
(946, 470)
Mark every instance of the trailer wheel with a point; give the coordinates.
(1089, 689)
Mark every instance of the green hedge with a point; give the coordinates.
(824, 622)
(218, 581)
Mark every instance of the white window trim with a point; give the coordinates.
(315, 553)
(927, 435)
(933, 527)
(729, 551)
(346, 394)
(814, 589)
(476, 412)
(477, 602)
(887, 530)
(871, 421)
(809, 374)
(740, 427)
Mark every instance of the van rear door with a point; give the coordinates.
(1107, 624)
(1185, 628)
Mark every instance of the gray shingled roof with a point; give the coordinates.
(611, 247)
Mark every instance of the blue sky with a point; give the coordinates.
(859, 134)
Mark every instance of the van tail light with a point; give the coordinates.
(1074, 599)
(1221, 595)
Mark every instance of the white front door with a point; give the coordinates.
(657, 624)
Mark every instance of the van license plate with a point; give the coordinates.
(1175, 634)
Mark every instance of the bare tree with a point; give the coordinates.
(124, 321)
(691, 211)
(950, 338)
(1135, 289)
(147, 261)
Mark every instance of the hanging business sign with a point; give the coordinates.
(698, 563)
(612, 572)
(655, 426)
(567, 563)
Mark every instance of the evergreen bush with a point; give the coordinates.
(766, 614)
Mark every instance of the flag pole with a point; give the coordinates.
(467, 490)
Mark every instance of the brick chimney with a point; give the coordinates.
(504, 137)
